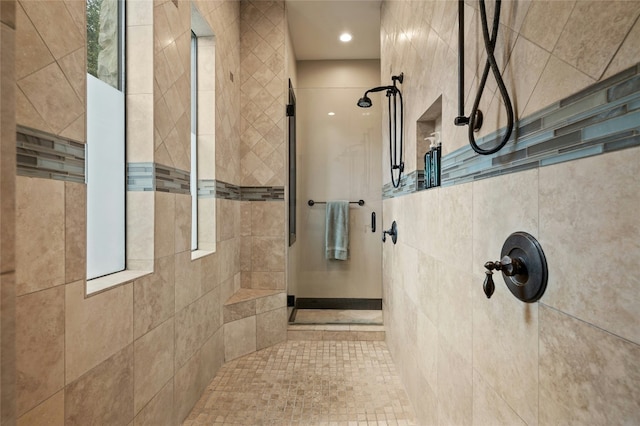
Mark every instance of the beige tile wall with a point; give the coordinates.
(7, 213)
(51, 74)
(262, 246)
(465, 359)
(262, 93)
(223, 19)
(140, 91)
(140, 353)
(172, 114)
(262, 146)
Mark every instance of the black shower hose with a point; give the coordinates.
(490, 44)
(393, 151)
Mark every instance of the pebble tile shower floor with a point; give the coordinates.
(307, 383)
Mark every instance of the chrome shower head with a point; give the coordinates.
(365, 102)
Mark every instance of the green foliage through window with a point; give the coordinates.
(93, 35)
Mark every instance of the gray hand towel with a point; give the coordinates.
(336, 237)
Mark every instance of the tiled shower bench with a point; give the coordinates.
(254, 319)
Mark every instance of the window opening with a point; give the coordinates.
(194, 141)
(105, 159)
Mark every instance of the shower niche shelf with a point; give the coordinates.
(428, 130)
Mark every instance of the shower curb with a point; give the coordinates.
(339, 332)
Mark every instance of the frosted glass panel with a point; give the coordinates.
(105, 179)
(194, 141)
(194, 192)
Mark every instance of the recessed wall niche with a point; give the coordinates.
(429, 122)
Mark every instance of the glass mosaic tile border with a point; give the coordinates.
(227, 191)
(230, 191)
(603, 118)
(141, 177)
(206, 188)
(156, 177)
(262, 193)
(172, 180)
(43, 155)
(409, 183)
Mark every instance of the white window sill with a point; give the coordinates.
(98, 285)
(197, 254)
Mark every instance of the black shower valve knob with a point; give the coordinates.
(508, 265)
(393, 233)
(523, 266)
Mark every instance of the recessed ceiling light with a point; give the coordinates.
(332, 113)
(345, 37)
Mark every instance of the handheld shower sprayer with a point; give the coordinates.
(395, 159)
(474, 120)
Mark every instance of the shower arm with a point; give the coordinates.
(392, 89)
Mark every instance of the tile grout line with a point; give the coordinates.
(589, 324)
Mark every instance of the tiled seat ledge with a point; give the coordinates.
(253, 320)
(335, 332)
(247, 302)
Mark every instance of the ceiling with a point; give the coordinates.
(315, 26)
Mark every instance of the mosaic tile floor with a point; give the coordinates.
(307, 383)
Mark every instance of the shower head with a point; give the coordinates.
(365, 102)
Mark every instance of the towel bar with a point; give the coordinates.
(359, 202)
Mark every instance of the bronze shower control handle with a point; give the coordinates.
(523, 266)
(488, 286)
(393, 233)
(509, 266)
